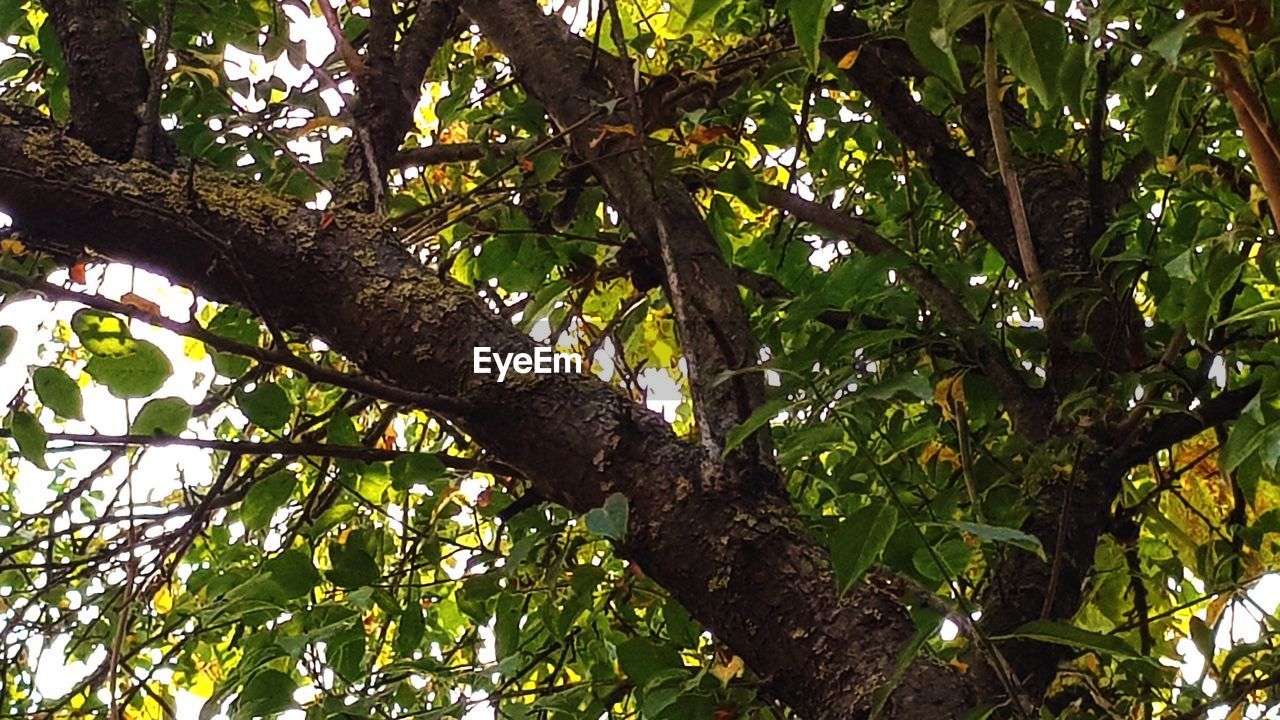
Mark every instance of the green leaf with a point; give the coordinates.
(31, 437)
(265, 497)
(266, 406)
(1168, 44)
(341, 430)
(809, 22)
(700, 10)
(1072, 636)
(641, 659)
(137, 374)
(294, 572)
(1246, 438)
(922, 22)
(1033, 45)
(738, 181)
(1202, 637)
(610, 520)
(860, 540)
(267, 694)
(1181, 266)
(162, 416)
(410, 630)
(345, 651)
(103, 334)
(1000, 534)
(8, 337)
(416, 468)
(1161, 114)
(236, 324)
(758, 419)
(1072, 80)
(1265, 307)
(352, 566)
(58, 392)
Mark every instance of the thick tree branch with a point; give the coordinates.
(877, 74)
(278, 356)
(738, 560)
(713, 329)
(389, 87)
(106, 73)
(1056, 202)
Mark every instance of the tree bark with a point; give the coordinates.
(740, 561)
(604, 127)
(101, 50)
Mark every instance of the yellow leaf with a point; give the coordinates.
(705, 134)
(12, 246)
(949, 395)
(848, 60)
(726, 670)
(201, 686)
(607, 129)
(1233, 37)
(162, 601)
(137, 301)
(208, 73)
(943, 454)
(193, 349)
(1168, 164)
(1256, 197)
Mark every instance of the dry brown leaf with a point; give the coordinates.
(141, 303)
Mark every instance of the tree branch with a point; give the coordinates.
(763, 585)
(438, 154)
(877, 75)
(1012, 186)
(354, 62)
(271, 356)
(714, 333)
(1172, 428)
(390, 81)
(245, 447)
(106, 73)
(1023, 404)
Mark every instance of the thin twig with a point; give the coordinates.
(144, 146)
(1009, 174)
(274, 356)
(245, 447)
(354, 62)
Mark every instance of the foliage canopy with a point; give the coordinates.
(961, 314)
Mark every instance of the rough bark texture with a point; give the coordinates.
(702, 287)
(739, 561)
(389, 91)
(717, 535)
(101, 50)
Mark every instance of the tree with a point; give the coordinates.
(971, 308)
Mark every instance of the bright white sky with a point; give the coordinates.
(164, 470)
